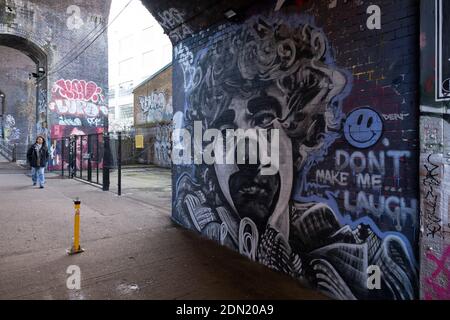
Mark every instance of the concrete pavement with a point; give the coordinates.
(133, 250)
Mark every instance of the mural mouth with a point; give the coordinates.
(351, 134)
(254, 195)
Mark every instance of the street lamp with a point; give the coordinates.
(39, 74)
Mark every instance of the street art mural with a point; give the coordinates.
(163, 145)
(363, 128)
(155, 107)
(339, 203)
(78, 103)
(77, 107)
(42, 125)
(11, 132)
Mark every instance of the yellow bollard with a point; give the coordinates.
(76, 248)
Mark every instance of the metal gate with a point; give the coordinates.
(84, 157)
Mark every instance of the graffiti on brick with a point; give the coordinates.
(42, 101)
(431, 188)
(74, 21)
(279, 72)
(155, 107)
(185, 59)
(395, 116)
(172, 21)
(76, 101)
(11, 132)
(82, 90)
(163, 145)
(363, 128)
(437, 284)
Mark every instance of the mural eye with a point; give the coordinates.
(369, 122)
(360, 119)
(264, 118)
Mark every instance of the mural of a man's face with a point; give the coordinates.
(255, 195)
(279, 74)
(250, 193)
(272, 77)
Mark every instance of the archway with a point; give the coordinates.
(35, 83)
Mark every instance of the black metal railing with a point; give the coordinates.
(83, 157)
(96, 158)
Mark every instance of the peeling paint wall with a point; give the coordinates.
(58, 36)
(435, 150)
(339, 80)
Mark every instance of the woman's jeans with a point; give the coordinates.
(37, 174)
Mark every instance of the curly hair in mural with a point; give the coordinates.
(278, 73)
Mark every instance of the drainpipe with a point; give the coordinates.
(2, 112)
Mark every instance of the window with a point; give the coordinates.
(147, 38)
(126, 111)
(126, 46)
(126, 68)
(126, 88)
(112, 112)
(112, 93)
(148, 60)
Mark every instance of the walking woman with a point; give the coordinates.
(38, 156)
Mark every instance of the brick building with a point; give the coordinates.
(153, 117)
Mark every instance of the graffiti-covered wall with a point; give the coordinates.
(66, 40)
(337, 80)
(18, 114)
(435, 149)
(153, 117)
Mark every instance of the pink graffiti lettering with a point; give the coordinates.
(438, 284)
(78, 90)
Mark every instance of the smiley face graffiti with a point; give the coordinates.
(363, 128)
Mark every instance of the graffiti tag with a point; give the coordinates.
(431, 198)
(438, 283)
(78, 90)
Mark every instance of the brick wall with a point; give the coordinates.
(58, 36)
(339, 80)
(153, 99)
(153, 115)
(19, 112)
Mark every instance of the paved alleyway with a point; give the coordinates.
(133, 250)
